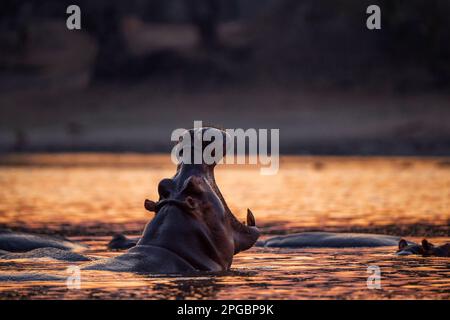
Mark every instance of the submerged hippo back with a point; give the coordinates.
(330, 240)
(22, 242)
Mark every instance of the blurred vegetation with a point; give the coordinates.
(323, 41)
(327, 39)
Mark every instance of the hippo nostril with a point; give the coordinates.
(190, 202)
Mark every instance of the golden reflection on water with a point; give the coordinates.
(78, 190)
(256, 274)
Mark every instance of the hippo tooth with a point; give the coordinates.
(150, 205)
(250, 219)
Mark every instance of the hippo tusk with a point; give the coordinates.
(150, 205)
(250, 219)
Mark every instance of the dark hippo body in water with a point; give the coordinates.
(52, 253)
(18, 245)
(22, 242)
(22, 277)
(121, 242)
(329, 240)
(148, 259)
(193, 229)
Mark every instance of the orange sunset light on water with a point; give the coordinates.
(94, 196)
(306, 192)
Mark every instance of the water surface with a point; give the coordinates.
(89, 197)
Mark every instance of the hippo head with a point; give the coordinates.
(426, 248)
(430, 249)
(193, 220)
(405, 248)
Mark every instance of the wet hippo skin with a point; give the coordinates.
(22, 242)
(52, 253)
(330, 240)
(192, 230)
(121, 242)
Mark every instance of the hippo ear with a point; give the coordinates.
(427, 246)
(402, 244)
(150, 205)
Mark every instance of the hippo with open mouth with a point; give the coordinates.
(192, 230)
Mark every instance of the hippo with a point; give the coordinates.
(426, 249)
(48, 252)
(121, 242)
(192, 230)
(21, 242)
(405, 248)
(23, 277)
(329, 240)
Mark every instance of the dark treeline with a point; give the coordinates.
(322, 40)
(328, 38)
